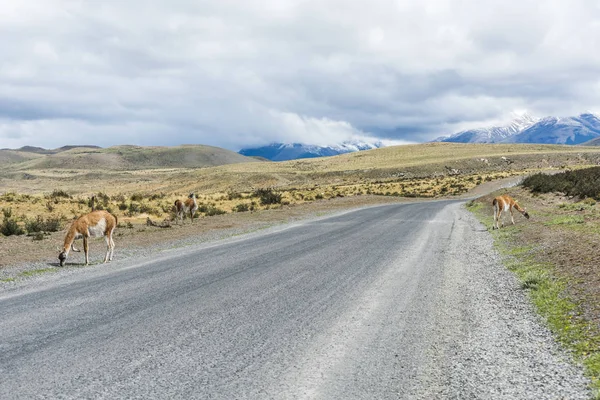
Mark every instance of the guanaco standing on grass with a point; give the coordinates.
(183, 207)
(506, 203)
(95, 224)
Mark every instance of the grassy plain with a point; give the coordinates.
(139, 182)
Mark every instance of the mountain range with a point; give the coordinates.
(292, 151)
(581, 129)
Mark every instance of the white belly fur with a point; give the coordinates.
(506, 207)
(97, 230)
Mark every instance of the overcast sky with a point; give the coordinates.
(251, 72)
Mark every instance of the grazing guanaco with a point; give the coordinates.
(506, 203)
(183, 207)
(95, 224)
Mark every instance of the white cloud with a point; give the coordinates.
(233, 73)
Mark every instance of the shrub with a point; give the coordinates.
(60, 193)
(34, 225)
(242, 207)
(120, 198)
(581, 183)
(212, 210)
(234, 195)
(133, 209)
(11, 227)
(7, 212)
(157, 196)
(267, 196)
(52, 224)
(123, 206)
(38, 224)
(137, 197)
(38, 236)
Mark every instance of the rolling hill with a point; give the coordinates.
(119, 158)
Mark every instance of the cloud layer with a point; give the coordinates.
(235, 74)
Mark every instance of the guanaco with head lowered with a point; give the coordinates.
(506, 203)
(183, 207)
(95, 224)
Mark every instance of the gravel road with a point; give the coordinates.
(404, 301)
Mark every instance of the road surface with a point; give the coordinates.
(404, 301)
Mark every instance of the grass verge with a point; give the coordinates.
(549, 293)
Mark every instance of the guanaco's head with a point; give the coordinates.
(191, 196)
(525, 213)
(62, 257)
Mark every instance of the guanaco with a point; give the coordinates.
(506, 203)
(95, 224)
(183, 207)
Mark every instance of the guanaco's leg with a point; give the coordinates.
(107, 238)
(86, 249)
(112, 248)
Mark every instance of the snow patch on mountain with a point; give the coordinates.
(292, 151)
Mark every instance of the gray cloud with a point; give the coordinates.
(234, 74)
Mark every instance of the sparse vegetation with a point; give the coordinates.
(242, 207)
(9, 225)
(581, 183)
(41, 224)
(267, 196)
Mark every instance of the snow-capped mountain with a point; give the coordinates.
(492, 134)
(292, 151)
(553, 130)
(527, 129)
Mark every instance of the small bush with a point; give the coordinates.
(212, 210)
(134, 208)
(7, 212)
(56, 193)
(10, 227)
(39, 224)
(38, 236)
(50, 206)
(234, 196)
(268, 196)
(34, 225)
(52, 224)
(137, 197)
(119, 198)
(242, 207)
(157, 196)
(123, 206)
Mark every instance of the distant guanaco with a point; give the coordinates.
(506, 203)
(183, 207)
(95, 224)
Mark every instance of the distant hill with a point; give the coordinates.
(527, 129)
(293, 151)
(593, 142)
(122, 158)
(41, 150)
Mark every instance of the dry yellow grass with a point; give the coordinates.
(424, 170)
